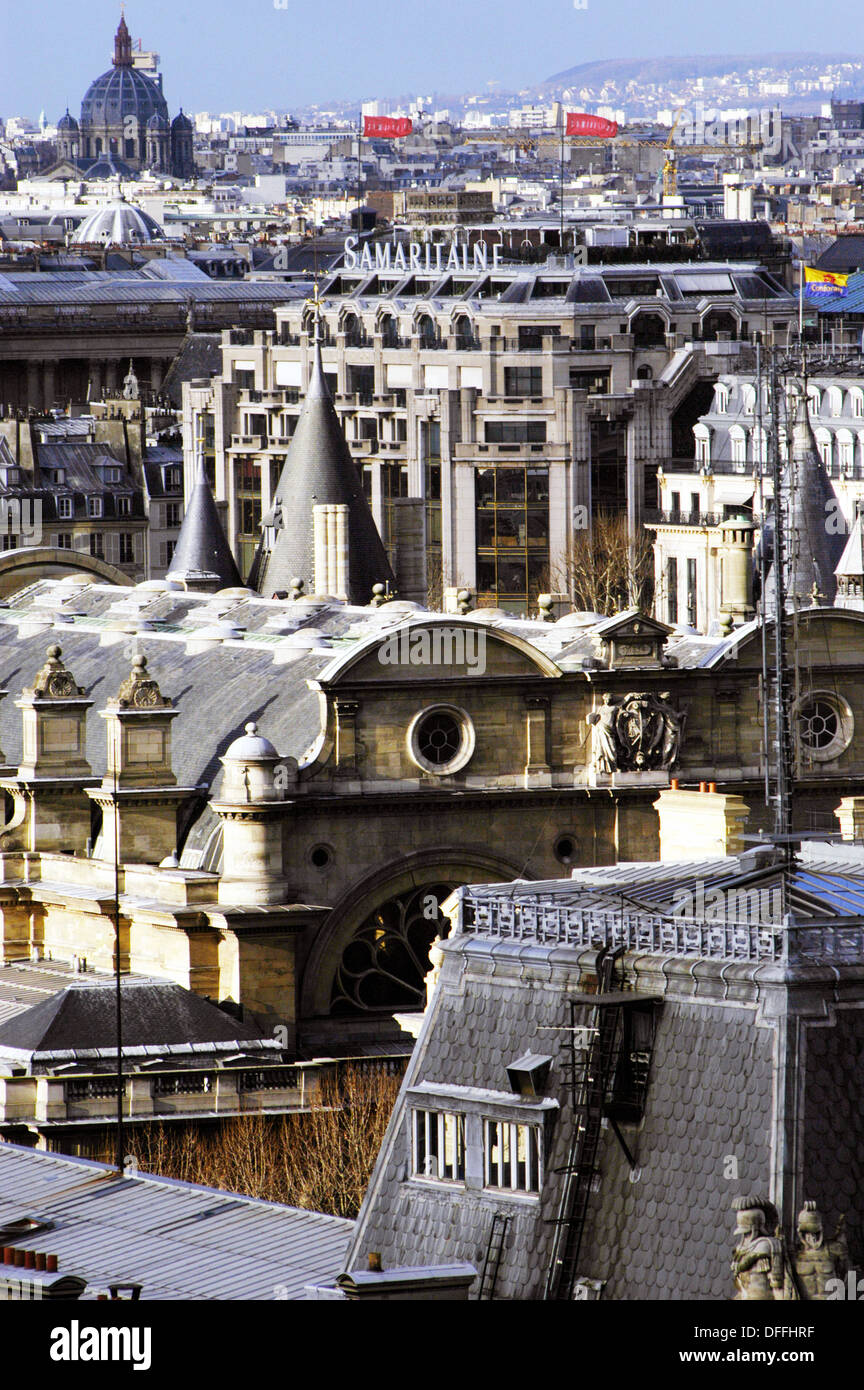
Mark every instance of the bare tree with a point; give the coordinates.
(607, 569)
(320, 1159)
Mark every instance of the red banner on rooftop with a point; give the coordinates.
(579, 123)
(388, 127)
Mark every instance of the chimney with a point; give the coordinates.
(703, 824)
(330, 532)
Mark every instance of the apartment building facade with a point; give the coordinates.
(508, 403)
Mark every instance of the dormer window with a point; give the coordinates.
(65, 508)
(94, 506)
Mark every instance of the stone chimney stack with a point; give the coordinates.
(330, 525)
(250, 806)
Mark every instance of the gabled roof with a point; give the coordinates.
(202, 549)
(318, 469)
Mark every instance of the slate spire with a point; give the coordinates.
(203, 559)
(318, 470)
(813, 530)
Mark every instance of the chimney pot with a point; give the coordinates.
(18, 1258)
(375, 1261)
(29, 1259)
(673, 784)
(703, 786)
(40, 1259)
(51, 1264)
(712, 786)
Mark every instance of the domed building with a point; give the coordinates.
(124, 118)
(118, 223)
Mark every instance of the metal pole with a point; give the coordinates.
(561, 188)
(781, 713)
(117, 977)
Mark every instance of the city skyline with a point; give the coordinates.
(286, 58)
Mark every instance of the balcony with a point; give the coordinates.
(247, 442)
(656, 517)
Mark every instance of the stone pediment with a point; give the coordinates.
(631, 639)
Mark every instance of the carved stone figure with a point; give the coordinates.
(758, 1260)
(604, 742)
(816, 1260)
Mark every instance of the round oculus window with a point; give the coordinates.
(441, 739)
(824, 725)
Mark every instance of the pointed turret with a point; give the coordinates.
(812, 521)
(850, 570)
(122, 45)
(320, 528)
(203, 559)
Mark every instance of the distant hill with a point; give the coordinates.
(666, 70)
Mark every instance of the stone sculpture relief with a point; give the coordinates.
(640, 733)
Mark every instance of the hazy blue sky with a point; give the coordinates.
(227, 54)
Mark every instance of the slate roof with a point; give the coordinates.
(200, 356)
(83, 1017)
(178, 1240)
(318, 468)
(202, 548)
(663, 1230)
(812, 550)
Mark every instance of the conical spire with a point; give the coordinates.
(812, 520)
(850, 570)
(318, 470)
(203, 558)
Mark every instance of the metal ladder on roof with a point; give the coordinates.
(590, 1079)
(494, 1248)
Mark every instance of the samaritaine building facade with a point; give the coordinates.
(491, 409)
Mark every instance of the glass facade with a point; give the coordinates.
(247, 490)
(512, 529)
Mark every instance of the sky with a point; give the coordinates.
(245, 54)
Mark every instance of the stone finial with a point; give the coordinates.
(379, 595)
(464, 600)
(54, 681)
(139, 690)
(298, 587)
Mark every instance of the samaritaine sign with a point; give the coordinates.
(429, 256)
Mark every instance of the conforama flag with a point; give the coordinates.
(578, 123)
(821, 283)
(388, 127)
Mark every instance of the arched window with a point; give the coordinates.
(721, 398)
(856, 399)
(389, 329)
(385, 962)
(845, 452)
(464, 332)
(738, 447)
(426, 331)
(748, 399)
(702, 435)
(814, 400)
(825, 445)
(835, 401)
